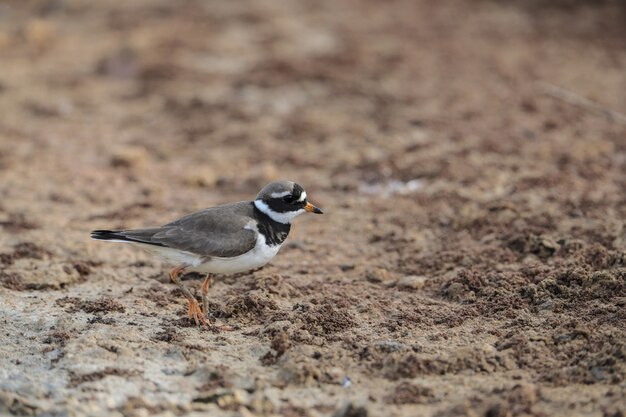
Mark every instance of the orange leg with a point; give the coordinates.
(204, 290)
(194, 311)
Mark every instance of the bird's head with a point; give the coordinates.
(283, 201)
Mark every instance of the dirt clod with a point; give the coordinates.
(379, 276)
(408, 393)
(17, 223)
(279, 345)
(11, 281)
(327, 319)
(101, 305)
(169, 335)
(23, 250)
(84, 268)
(98, 375)
(351, 410)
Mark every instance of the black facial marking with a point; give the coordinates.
(280, 206)
(290, 199)
(297, 191)
(275, 233)
(287, 203)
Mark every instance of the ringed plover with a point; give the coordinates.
(225, 239)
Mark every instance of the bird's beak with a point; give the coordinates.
(312, 209)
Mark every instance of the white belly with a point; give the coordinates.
(247, 261)
(255, 258)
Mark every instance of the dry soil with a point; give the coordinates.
(470, 157)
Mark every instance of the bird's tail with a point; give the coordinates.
(112, 235)
(135, 236)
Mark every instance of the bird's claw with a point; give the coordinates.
(195, 313)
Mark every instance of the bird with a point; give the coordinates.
(224, 239)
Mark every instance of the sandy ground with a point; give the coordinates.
(472, 261)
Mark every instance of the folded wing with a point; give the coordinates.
(222, 231)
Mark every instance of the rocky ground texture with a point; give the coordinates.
(470, 157)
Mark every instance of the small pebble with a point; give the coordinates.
(379, 276)
(413, 282)
(128, 156)
(201, 177)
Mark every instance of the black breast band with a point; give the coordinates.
(275, 233)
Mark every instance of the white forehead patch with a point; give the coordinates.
(279, 195)
(302, 196)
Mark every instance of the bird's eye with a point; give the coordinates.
(289, 199)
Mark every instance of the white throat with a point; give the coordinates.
(284, 218)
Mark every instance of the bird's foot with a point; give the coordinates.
(195, 313)
(215, 325)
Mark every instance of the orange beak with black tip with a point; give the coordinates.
(312, 209)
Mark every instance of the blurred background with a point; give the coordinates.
(470, 157)
(206, 97)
